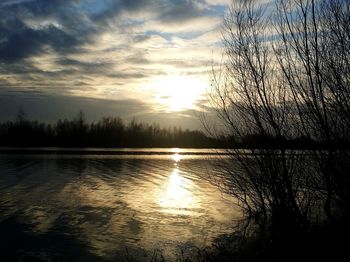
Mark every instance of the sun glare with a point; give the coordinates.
(179, 93)
(176, 157)
(177, 194)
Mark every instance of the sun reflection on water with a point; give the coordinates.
(177, 197)
(113, 203)
(176, 157)
(177, 194)
(175, 150)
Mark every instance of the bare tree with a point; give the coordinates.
(251, 99)
(313, 55)
(286, 75)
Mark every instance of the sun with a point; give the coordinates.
(178, 93)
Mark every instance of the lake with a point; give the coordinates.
(105, 204)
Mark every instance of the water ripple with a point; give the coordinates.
(112, 203)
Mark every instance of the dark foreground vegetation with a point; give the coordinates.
(319, 243)
(286, 74)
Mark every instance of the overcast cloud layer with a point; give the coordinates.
(91, 50)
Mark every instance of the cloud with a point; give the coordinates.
(106, 49)
(219, 2)
(31, 28)
(67, 106)
(28, 42)
(60, 107)
(181, 11)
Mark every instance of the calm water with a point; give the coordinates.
(101, 207)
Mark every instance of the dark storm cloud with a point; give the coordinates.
(181, 10)
(66, 106)
(59, 107)
(28, 71)
(38, 7)
(17, 68)
(114, 8)
(18, 40)
(86, 67)
(28, 42)
(166, 11)
(105, 68)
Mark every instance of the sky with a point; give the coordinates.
(143, 59)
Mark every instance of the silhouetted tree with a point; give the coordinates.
(313, 56)
(107, 132)
(252, 102)
(286, 76)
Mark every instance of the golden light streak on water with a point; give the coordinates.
(176, 157)
(110, 203)
(177, 198)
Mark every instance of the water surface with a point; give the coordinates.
(100, 207)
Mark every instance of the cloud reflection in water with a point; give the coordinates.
(113, 203)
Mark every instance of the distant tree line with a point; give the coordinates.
(114, 132)
(107, 132)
